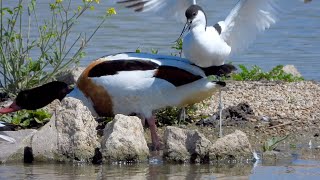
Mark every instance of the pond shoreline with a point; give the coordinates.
(279, 109)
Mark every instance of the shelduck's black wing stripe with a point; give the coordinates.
(175, 75)
(112, 67)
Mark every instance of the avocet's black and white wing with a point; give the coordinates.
(166, 8)
(246, 20)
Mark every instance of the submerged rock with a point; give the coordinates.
(14, 152)
(183, 145)
(69, 135)
(123, 140)
(235, 146)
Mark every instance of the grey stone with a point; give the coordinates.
(70, 76)
(14, 152)
(124, 140)
(183, 145)
(291, 69)
(69, 135)
(235, 146)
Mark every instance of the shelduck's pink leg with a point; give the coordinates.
(154, 136)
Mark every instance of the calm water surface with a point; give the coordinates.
(293, 40)
(298, 169)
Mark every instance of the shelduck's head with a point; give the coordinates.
(38, 97)
(196, 17)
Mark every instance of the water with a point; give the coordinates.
(298, 169)
(293, 40)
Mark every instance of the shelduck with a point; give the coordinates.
(130, 83)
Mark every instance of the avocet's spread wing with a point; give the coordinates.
(246, 20)
(166, 8)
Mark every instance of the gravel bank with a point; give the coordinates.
(280, 108)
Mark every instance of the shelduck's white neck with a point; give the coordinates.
(76, 93)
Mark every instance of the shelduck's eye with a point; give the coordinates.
(194, 14)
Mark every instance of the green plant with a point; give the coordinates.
(257, 74)
(27, 118)
(272, 143)
(51, 41)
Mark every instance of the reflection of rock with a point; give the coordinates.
(185, 145)
(69, 135)
(123, 140)
(231, 116)
(71, 75)
(291, 69)
(232, 146)
(14, 152)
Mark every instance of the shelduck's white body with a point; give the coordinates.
(143, 91)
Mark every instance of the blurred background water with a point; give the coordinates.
(293, 40)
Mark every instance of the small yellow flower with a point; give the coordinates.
(111, 11)
(59, 1)
(79, 8)
(97, 1)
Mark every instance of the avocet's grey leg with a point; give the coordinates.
(220, 113)
(182, 115)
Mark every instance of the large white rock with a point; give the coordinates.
(69, 135)
(123, 140)
(235, 146)
(182, 145)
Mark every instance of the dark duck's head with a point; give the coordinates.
(38, 97)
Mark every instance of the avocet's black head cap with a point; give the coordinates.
(192, 11)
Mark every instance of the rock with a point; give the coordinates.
(235, 146)
(123, 140)
(265, 119)
(14, 152)
(69, 135)
(183, 145)
(291, 69)
(70, 76)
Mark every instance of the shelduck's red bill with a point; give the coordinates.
(12, 108)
